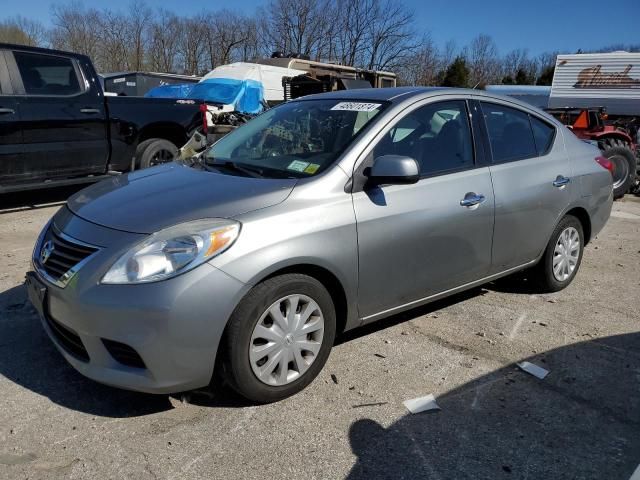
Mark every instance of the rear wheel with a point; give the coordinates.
(279, 338)
(624, 161)
(155, 151)
(562, 257)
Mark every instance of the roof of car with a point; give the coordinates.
(376, 93)
(397, 93)
(400, 94)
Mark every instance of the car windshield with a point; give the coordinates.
(297, 139)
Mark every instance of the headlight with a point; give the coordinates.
(173, 251)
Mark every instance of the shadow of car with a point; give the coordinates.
(580, 422)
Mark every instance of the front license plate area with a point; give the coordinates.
(37, 292)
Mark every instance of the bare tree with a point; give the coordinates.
(74, 28)
(227, 35)
(112, 55)
(299, 26)
(191, 46)
(138, 26)
(391, 37)
(21, 30)
(424, 66)
(164, 38)
(482, 59)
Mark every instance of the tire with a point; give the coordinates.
(543, 274)
(244, 336)
(155, 151)
(624, 160)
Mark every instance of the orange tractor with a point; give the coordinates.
(615, 139)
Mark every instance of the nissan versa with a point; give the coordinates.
(318, 216)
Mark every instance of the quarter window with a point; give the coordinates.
(510, 133)
(47, 74)
(437, 136)
(543, 134)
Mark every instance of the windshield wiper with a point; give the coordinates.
(230, 165)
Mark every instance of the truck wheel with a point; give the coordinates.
(624, 174)
(155, 151)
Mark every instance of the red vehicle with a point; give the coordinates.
(616, 142)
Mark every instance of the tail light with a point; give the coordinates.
(606, 163)
(203, 110)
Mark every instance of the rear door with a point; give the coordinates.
(531, 177)
(64, 119)
(415, 241)
(11, 158)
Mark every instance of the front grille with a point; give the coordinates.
(123, 353)
(58, 254)
(69, 340)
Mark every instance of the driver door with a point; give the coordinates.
(415, 241)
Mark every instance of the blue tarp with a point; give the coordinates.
(171, 91)
(246, 96)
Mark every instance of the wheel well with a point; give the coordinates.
(174, 133)
(582, 215)
(329, 281)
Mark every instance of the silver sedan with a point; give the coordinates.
(318, 216)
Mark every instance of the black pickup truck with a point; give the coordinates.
(58, 127)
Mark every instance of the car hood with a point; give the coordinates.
(158, 197)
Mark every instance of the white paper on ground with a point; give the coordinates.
(534, 370)
(636, 475)
(421, 404)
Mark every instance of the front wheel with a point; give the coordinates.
(279, 338)
(562, 257)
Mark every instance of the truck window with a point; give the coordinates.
(47, 74)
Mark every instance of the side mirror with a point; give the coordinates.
(394, 170)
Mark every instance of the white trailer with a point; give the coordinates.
(610, 80)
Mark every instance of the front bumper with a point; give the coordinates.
(174, 326)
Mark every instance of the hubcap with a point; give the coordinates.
(566, 254)
(286, 340)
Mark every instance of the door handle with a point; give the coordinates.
(561, 181)
(89, 110)
(5, 111)
(472, 199)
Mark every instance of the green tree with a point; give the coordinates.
(457, 74)
(507, 80)
(524, 78)
(546, 77)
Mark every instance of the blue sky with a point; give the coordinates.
(539, 25)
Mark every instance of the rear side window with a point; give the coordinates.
(437, 136)
(47, 74)
(510, 133)
(543, 134)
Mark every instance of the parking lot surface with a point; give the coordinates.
(496, 421)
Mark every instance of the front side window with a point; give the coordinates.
(296, 139)
(510, 133)
(47, 74)
(437, 136)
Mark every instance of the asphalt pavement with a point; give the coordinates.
(582, 421)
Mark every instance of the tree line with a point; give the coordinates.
(371, 34)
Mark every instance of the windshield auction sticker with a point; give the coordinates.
(298, 166)
(356, 106)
